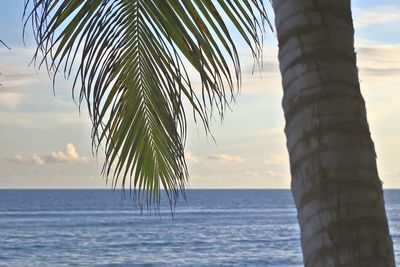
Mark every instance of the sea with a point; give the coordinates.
(105, 228)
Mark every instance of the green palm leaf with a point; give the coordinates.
(129, 58)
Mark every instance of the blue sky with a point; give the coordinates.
(45, 142)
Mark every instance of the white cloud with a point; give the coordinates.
(277, 159)
(35, 159)
(271, 132)
(378, 15)
(379, 66)
(192, 158)
(225, 158)
(40, 120)
(10, 100)
(378, 62)
(68, 155)
(391, 174)
(18, 78)
(264, 79)
(266, 174)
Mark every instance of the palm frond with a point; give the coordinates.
(130, 70)
(3, 43)
(9, 48)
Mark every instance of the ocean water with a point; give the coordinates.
(101, 228)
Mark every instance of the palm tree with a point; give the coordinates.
(335, 182)
(132, 59)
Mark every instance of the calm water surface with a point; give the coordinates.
(101, 228)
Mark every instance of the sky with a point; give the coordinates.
(45, 141)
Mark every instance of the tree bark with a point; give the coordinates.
(335, 183)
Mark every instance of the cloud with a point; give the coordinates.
(68, 155)
(264, 78)
(265, 174)
(10, 100)
(379, 66)
(378, 62)
(391, 174)
(40, 120)
(35, 159)
(18, 78)
(271, 132)
(192, 158)
(277, 159)
(378, 15)
(225, 158)
(381, 71)
(268, 66)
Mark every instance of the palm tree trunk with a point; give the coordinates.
(335, 183)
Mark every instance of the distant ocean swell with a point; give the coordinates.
(100, 228)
